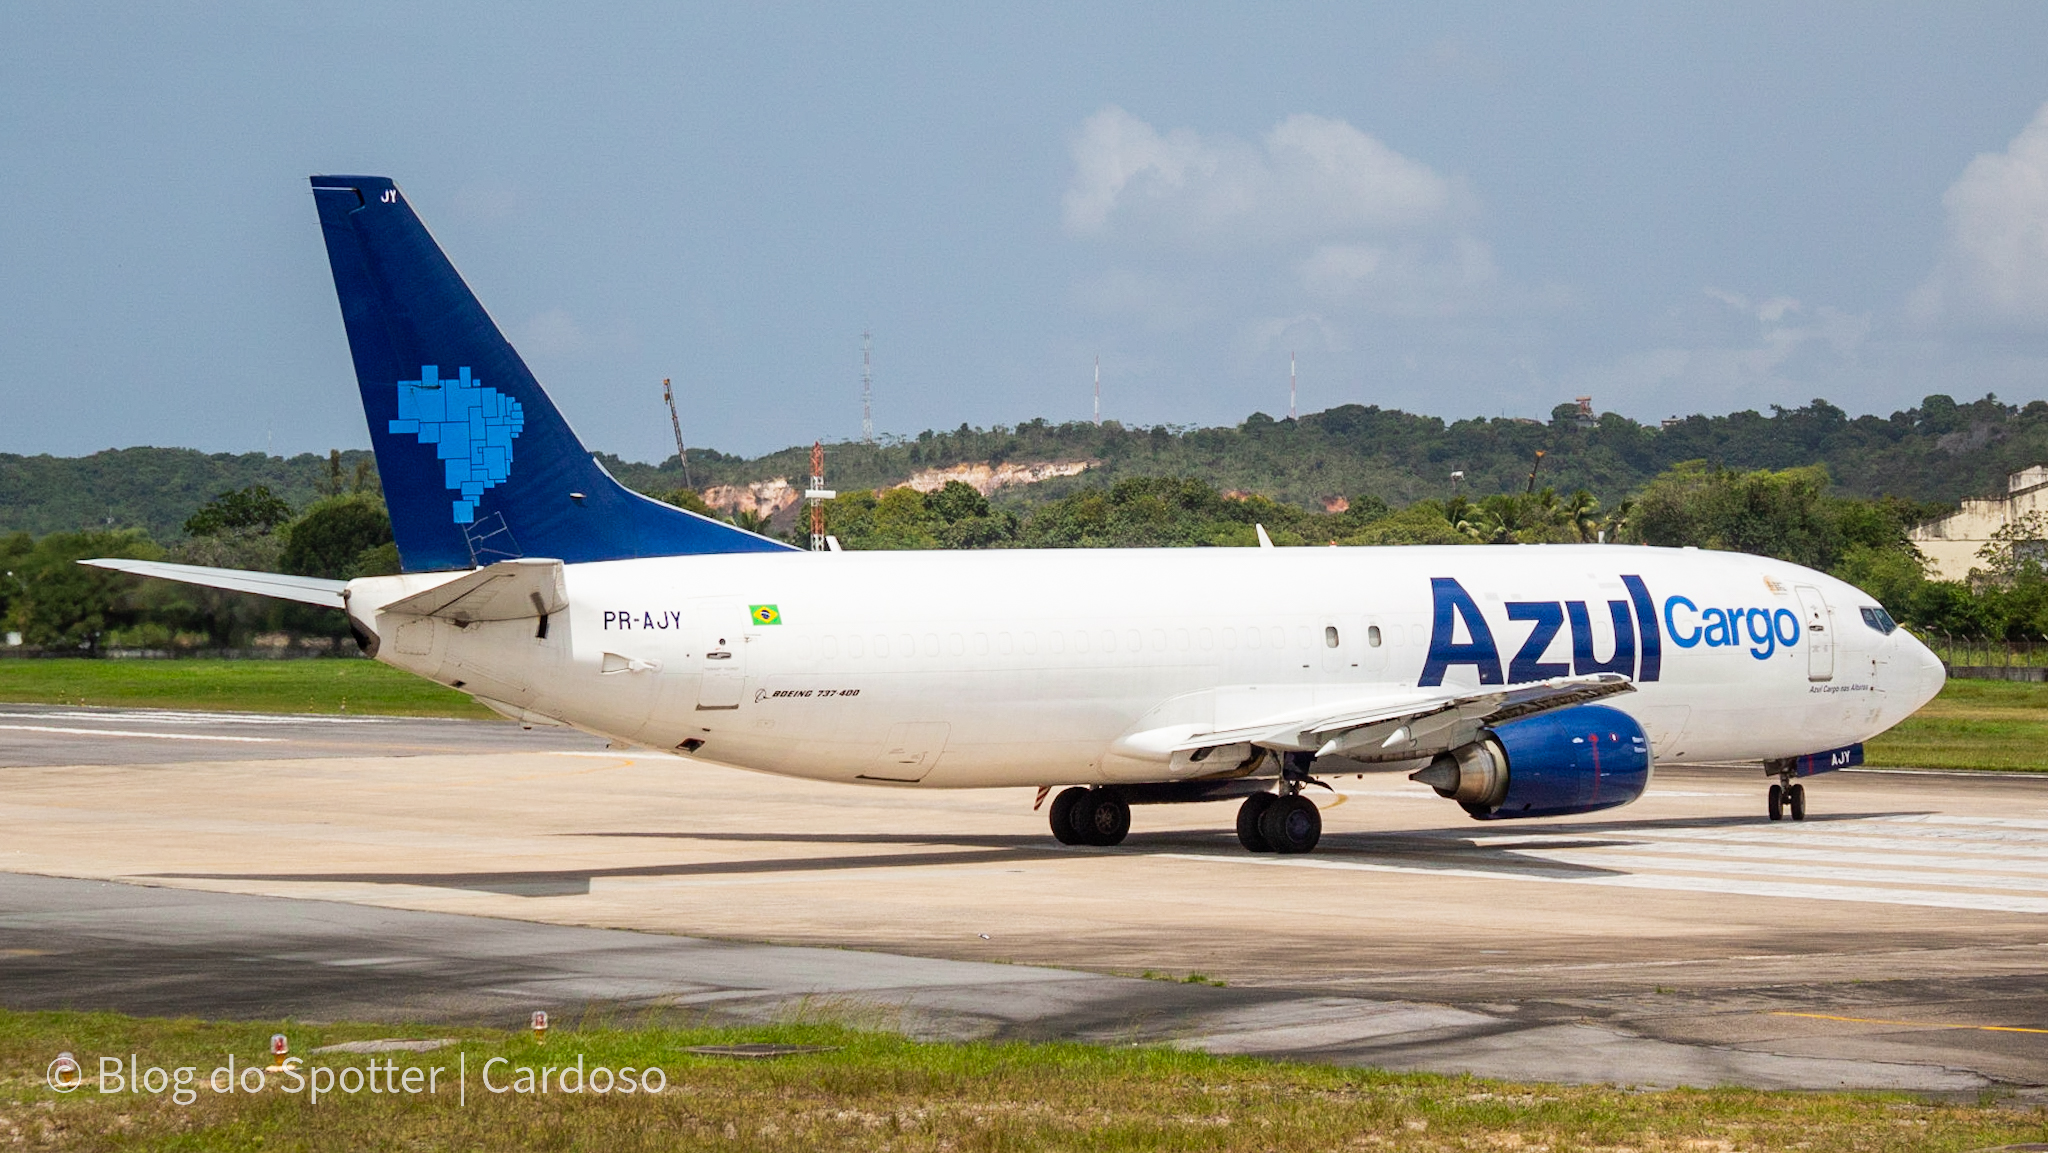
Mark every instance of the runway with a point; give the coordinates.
(1897, 939)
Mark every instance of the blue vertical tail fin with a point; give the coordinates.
(478, 466)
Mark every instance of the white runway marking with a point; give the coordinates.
(134, 733)
(1981, 864)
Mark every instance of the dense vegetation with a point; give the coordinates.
(57, 604)
(1350, 476)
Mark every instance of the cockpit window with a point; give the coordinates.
(1880, 620)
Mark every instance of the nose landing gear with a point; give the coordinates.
(1785, 797)
(1786, 794)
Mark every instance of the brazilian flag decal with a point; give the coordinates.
(765, 614)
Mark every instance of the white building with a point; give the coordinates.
(1952, 544)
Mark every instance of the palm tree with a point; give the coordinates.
(1617, 522)
(1582, 514)
(1487, 525)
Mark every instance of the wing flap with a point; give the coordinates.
(1400, 726)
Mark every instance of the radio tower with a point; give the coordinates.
(668, 397)
(867, 380)
(818, 494)
(1098, 392)
(1290, 386)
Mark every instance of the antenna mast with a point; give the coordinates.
(668, 397)
(1098, 392)
(1290, 385)
(867, 409)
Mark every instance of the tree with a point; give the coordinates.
(252, 509)
(61, 604)
(339, 537)
(1781, 514)
(13, 548)
(225, 617)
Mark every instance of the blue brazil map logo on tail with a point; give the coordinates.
(472, 428)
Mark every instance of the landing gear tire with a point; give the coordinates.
(1775, 806)
(1100, 817)
(1291, 824)
(1795, 799)
(1064, 828)
(1248, 815)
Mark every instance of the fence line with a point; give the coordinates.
(1967, 652)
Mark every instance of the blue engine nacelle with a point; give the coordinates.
(1576, 760)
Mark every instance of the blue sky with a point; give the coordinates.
(1460, 209)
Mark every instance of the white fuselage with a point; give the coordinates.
(1002, 668)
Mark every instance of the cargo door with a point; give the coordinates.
(1820, 634)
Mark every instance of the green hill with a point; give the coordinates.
(153, 489)
(1940, 451)
(1937, 452)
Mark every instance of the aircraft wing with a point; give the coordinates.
(306, 590)
(1400, 725)
(509, 590)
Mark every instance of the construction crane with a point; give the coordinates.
(668, 397)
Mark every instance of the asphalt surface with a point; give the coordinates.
(440, 870)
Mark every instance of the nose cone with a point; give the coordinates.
(1921, 674)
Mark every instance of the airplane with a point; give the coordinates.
(1515, 680)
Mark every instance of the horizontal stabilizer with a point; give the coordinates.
(507, 591)
(305, 590)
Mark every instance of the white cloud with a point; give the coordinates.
(1993, 271)
(1308, 177)
(1776, 350)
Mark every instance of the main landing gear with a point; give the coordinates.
(1282, 822)
(1090, 817)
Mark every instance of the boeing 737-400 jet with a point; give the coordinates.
(1516, 681)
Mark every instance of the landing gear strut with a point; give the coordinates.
(1090, 817)
(1282, 822)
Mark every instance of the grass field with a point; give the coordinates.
(877, 1091)
(333, 685)
(1971, 725)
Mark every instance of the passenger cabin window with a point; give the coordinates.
(1329, 636)
(1880, 620)
(1372, 635)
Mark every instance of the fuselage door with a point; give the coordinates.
(1820, 634)
(1340, 641)
(722, 665)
